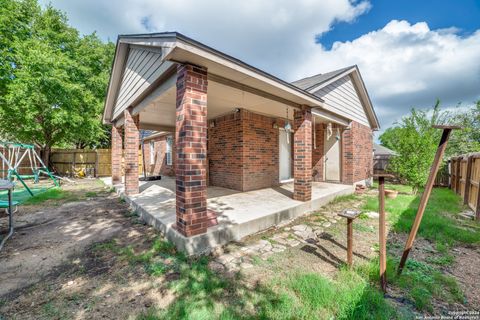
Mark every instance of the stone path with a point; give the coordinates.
(245, 257)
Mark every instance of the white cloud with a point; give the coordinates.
(406, 65)
(267, 34)
(403, 64)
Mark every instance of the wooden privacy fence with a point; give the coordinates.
(465, 180)
(85, 162)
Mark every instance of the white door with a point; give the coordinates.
(332, 157)
(285, 155)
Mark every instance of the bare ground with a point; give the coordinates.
(52, 268)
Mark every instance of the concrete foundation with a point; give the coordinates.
(239, 214)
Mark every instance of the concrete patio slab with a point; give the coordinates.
(239, 213)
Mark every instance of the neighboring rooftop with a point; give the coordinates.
(379, 150)
(313, 81)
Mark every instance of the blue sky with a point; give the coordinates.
(409, 53)
(439, 14)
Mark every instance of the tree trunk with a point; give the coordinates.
(45, 154)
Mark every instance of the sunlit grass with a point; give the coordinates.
(439, 223)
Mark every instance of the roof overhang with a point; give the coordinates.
(178, 48)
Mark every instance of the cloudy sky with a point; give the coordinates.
(409, 52)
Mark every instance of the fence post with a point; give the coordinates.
(96, 163)
(74, 163)
(458, 171)
(467, 179)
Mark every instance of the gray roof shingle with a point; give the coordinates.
(312, 81)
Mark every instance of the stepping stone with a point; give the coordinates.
(246, 265)
(333, 221)
(305, 234)
(266, 255)
(293, 242)
(372, 214)
(278, 248)
(300, 227)
(224, 259)
(281, 240)
(326, 224)
(287, 229)
(263, 242)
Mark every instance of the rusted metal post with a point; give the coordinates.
(381, 231)
(349, 242)
(350, 215)
(382, 236)
(426, 193)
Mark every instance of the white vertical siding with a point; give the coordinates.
(142, 68)
(341, 97)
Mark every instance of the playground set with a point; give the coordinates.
(21, 163)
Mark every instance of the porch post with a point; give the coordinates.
(132, 143)
(116, 155)
(191, 149)
(302, 155)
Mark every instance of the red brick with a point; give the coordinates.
(132, 143)
(302, 155)
(191, 151)
(117, 150)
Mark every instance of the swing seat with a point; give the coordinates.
(28, 176)
(4, 204)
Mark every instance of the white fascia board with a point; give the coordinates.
(330, 117)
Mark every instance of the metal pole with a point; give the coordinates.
(349, 242)
(381, 232)
(426, 193)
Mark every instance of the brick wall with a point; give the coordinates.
(260, 152)
(132, 143)
(318, 152)
(357, 153)
(117, 154)
(225, 151)
(160, 166)
(191, 143)
(302, 155)
(243, 151)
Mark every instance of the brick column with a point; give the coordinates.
(116, 155)
(302, 155)
(191, 149)
(132, 143)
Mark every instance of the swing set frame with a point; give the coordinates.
(12, 156)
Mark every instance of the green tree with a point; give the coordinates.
(467, 139)
(53, 80)
(415, 141)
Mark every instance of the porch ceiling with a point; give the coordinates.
(159, 114)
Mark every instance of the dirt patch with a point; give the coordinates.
(52, 267)
(467, 272)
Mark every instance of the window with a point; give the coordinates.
(169, 150)
(152, 152)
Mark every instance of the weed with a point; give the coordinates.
(51, 310)
(422, 282)
(344, 198)
(362, 228)
(50, 195)
(91, 194)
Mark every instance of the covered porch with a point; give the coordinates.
(239, 214)
(226, 119)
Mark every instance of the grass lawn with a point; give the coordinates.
(351, 294)
(308, 281)
(440, 223)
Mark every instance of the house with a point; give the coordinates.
(227, 124)
(381, 158)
